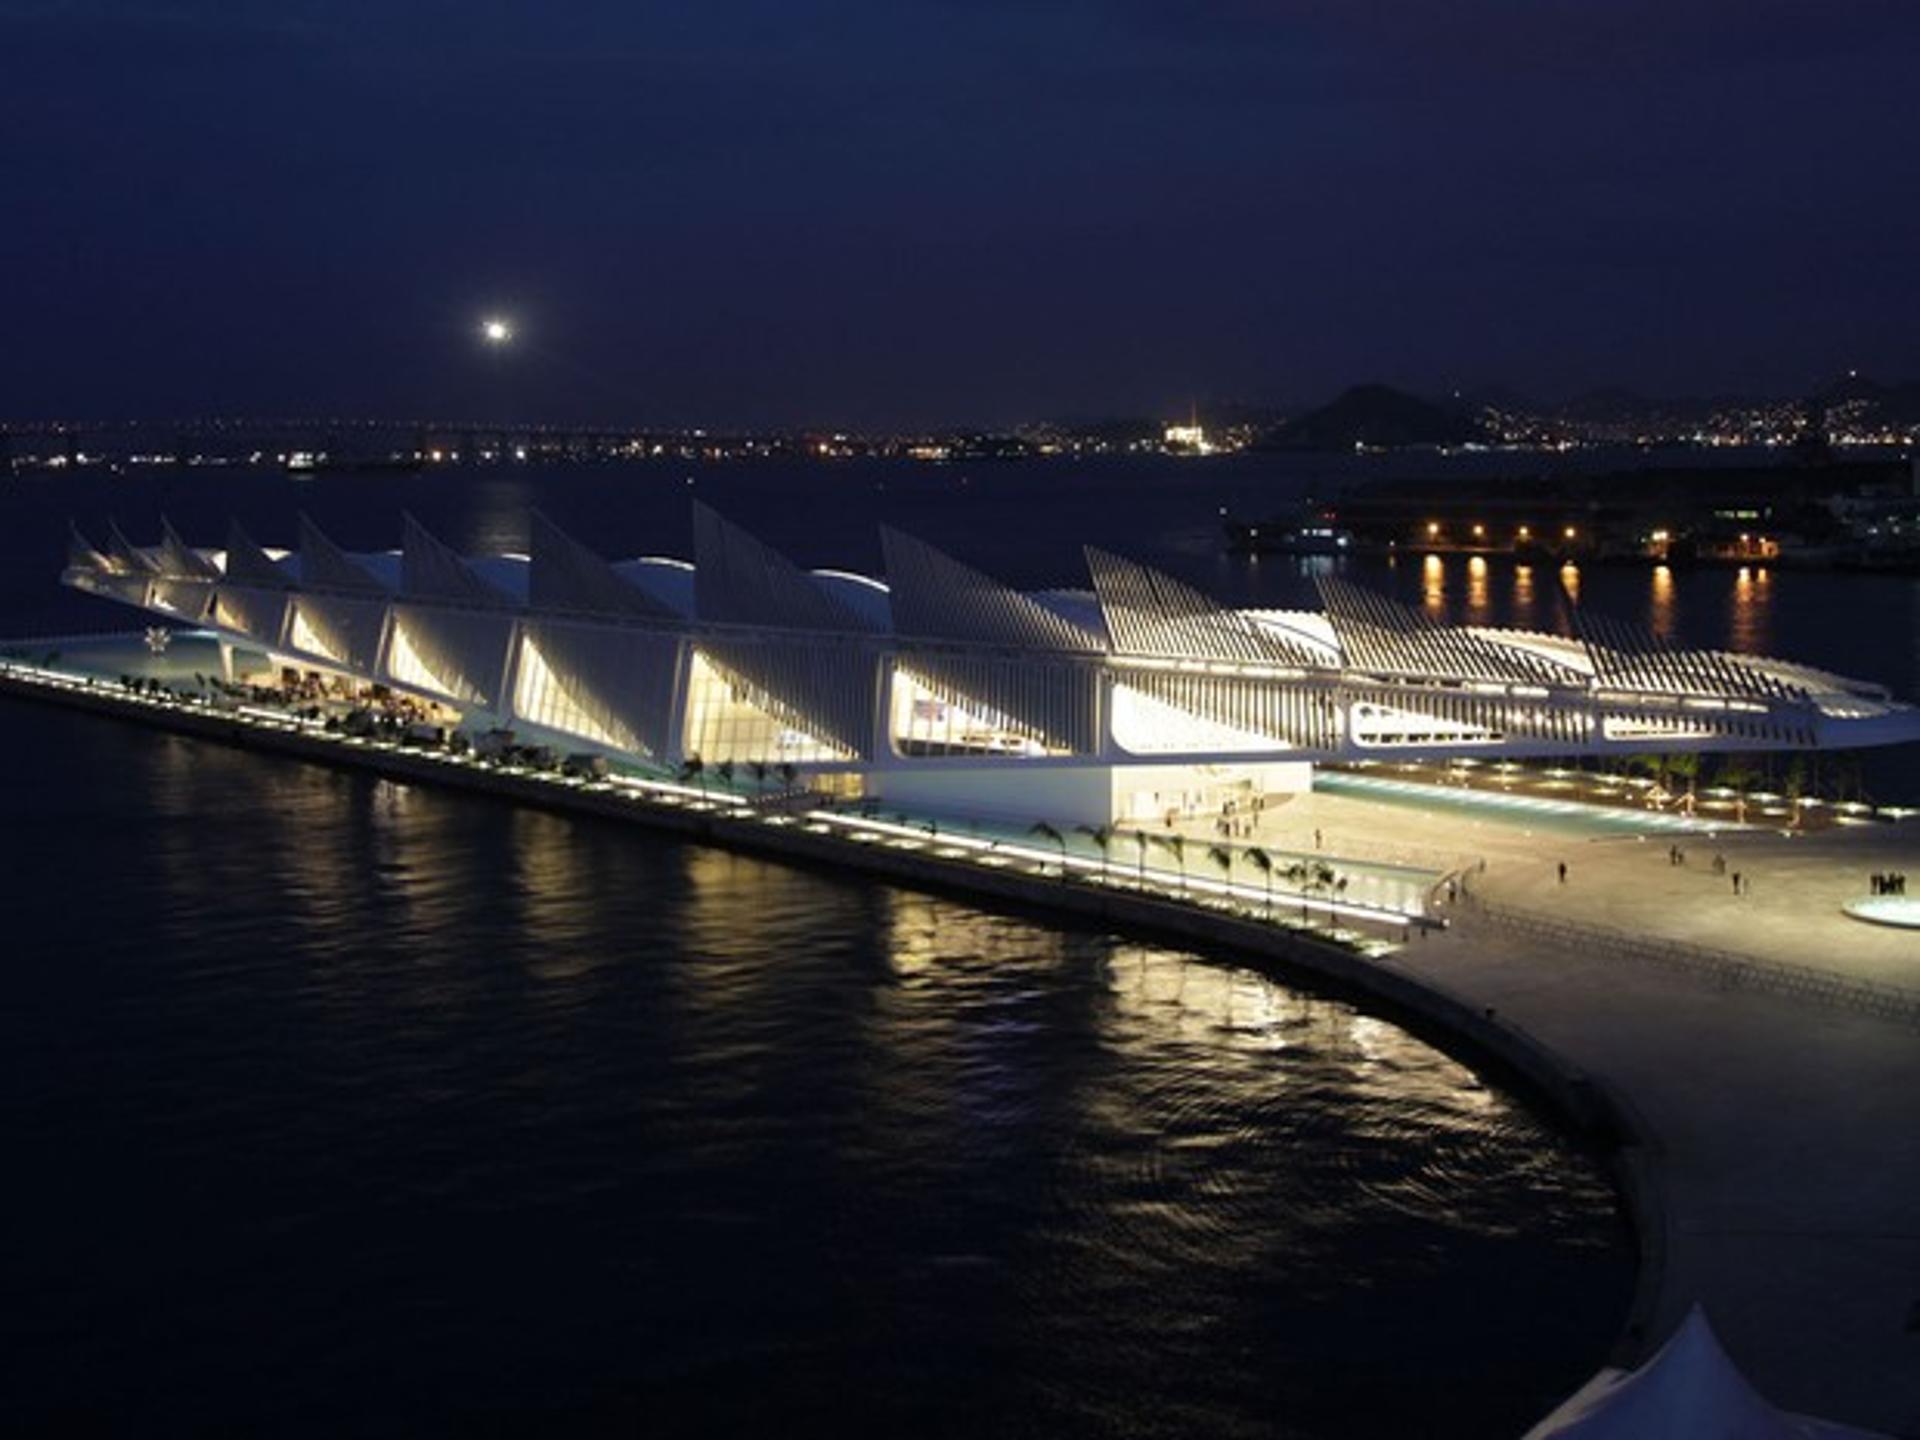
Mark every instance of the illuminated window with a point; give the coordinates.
(1147, 725)
(931, 720)
(727, 719)
(315, 640)
(541, 697)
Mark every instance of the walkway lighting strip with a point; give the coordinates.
(1001, 851)
(1653, 819)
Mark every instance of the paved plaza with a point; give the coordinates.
(1786, 1134)
(1793, 885)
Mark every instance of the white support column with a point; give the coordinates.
(676, 750)
(505, 709)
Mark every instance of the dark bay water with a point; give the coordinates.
(337, 1107)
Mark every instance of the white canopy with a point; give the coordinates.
(1689, 1391)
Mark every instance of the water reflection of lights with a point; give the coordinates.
(1523, 595)
(1478, 609)
(1433, 586)
(1661, 606)
(1750, 624)
(1570, 578)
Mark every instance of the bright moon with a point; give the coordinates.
(496, 332)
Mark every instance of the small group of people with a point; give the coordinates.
(1892, 883)
(1677, 856)
(1238, 822)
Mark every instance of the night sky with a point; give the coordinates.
(895, 212)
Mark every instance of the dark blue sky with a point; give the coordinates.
(901, 211)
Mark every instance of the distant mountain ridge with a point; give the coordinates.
(1377, 417)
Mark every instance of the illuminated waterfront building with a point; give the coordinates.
(944, 690)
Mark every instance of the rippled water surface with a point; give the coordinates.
(337, 1107)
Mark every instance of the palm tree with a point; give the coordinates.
(1263, 862)
(1296, 875)
(788, 774)
(695, 769)
(1048, 832)
(759, 769)
(725, 771)
(1737, 775)
(1321, 878)
(1176, 846)
(1140, 839)
(1222, 855)
(1686, 766)
(1102, 836)
(1795, 785)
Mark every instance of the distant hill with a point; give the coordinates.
(1897, 403)
(1377, 416)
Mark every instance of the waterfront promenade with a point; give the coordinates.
(1782, 1138)
(1770, 1147)
(1782, 1149)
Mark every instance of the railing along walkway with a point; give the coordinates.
(1726, 968)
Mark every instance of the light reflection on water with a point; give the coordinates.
(1750, 625)
(558, 1114)
(1433, 586)
(1479, 610)
(1570, 579)
(1660, 604)
(1523, 616)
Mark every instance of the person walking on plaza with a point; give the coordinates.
(1563, 872)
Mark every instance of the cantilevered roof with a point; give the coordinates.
(325, 565)
(123, 556)
(668, 582)
(1148, 612)
(741, 580)
(248, 564)
(83, 554)
(177, 560)
(430, 569)
(868, 598)
(566, 575)
(937, 597)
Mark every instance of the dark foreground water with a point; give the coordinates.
(335, 1107)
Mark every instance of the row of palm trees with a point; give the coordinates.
(1308, 878)
(694, 771)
